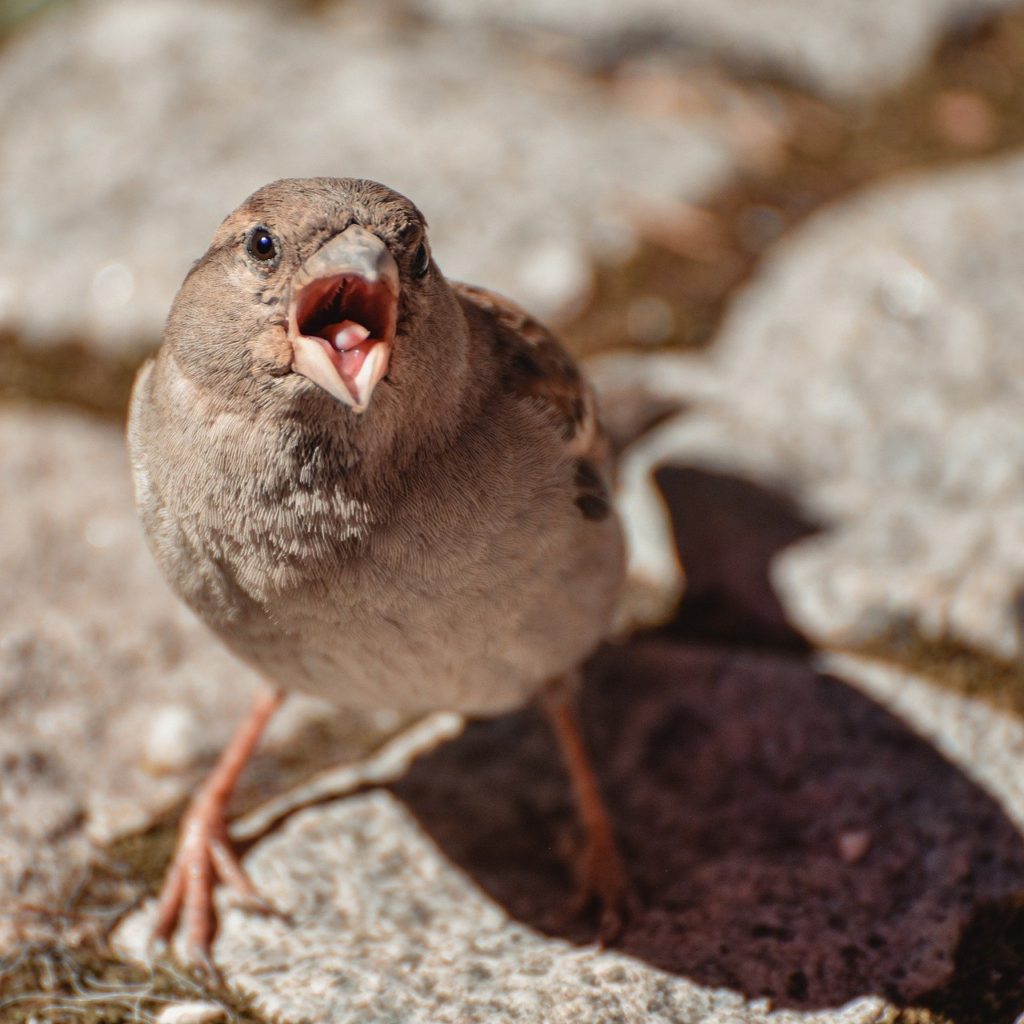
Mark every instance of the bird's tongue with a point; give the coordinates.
(351, 343)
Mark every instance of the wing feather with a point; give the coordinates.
(534, 365)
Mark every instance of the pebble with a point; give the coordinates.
(853, 846)
(174, 740)
(192, 1013)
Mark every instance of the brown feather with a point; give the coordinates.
(535, 365)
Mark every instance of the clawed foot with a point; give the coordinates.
(602, 881)
(204, 857)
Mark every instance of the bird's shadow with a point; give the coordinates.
(787, 837)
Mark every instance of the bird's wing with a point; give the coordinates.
(534, 365)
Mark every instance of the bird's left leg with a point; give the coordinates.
(602, 876)
(204, 854)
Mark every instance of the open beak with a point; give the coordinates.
(341, 324)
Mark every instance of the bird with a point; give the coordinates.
(376, 486)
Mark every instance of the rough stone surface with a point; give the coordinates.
(96, 654)
(851, 48)
(873, 374)
(121, 157)
(734, 780)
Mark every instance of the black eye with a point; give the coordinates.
(421, 261)
(261, 245)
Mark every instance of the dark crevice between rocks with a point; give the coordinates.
(68, 374)
(728, 532)
(987, 986)
(954, 665)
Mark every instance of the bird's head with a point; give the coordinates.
(320, 297)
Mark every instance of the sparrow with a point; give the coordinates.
(376, 486)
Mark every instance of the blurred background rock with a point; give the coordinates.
(786, 235)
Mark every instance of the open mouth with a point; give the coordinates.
(342, 327)
(350, 316)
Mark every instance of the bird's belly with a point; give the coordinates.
(425, 665)
(481, 648)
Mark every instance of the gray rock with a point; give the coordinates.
(874, 373)
(851, 48)
(122, 157)
(736, 781)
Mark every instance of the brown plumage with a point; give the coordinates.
(375, 486)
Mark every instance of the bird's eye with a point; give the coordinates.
(261, 245)
(421, 261)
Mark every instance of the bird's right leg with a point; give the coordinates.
(602, 875)
(204, 854)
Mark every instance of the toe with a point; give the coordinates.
(169, 903)
(604, 881)
(197, 911)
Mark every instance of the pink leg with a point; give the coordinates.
(601, 873)
(204, 853)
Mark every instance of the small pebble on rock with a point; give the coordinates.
(192, 1013)
(965, 119)
(854, 845)
(173, 740)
